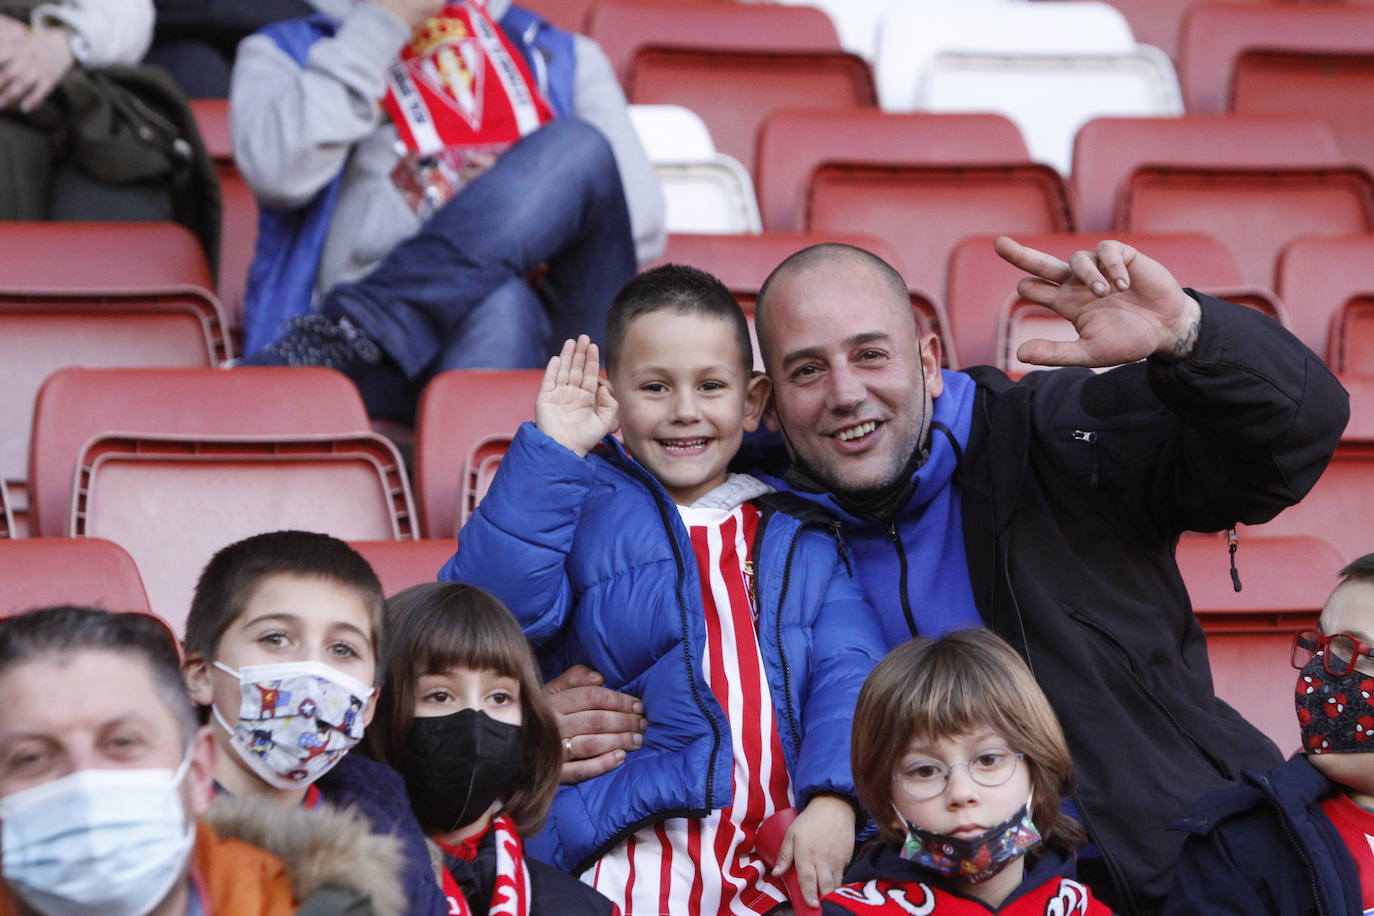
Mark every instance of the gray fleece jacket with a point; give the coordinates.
(293, 129)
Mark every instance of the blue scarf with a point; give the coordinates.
(928, 526)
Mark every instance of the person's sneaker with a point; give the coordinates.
(317, 340)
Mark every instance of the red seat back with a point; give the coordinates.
(1317, 275)
(173, 501)
(1352, 338)
(76, 405)
(925, 211)
(401, 564)
(40, 572)
(466, 419)
(792, 144)
(239, 214)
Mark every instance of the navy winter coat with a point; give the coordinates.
(592, 558)
(1265, 846)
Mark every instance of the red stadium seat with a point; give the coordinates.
(624, 27)
(76, 405)
(1108, 150)
(401, 564)
(43, 331)
(7, 527)
(1249, 633)
(239, 218)
(925, 211)
(1352, 338)
(1332, 86)
(992, 321)
(792, 144)
(173, 501)
(1316, 276)
(40, 572)
(1215, 34)
(742, 262)
(1157, 22)
(100, 256)
(1340, 508)
(465, 422)
(733, 91)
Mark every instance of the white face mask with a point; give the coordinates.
(296, 720)
(96, 842)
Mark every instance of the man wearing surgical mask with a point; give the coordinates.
(106, 782)
(1299, 838)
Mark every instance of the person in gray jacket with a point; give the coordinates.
(348, 275)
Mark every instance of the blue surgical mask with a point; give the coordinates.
(96, 842)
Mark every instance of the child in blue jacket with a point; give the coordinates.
(729, 609)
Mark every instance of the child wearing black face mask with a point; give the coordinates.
(1299, 838)
(463, 719)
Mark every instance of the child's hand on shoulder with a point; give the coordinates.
(575, 407)
(819, 844)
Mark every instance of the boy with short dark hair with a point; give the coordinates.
(727, 608)
(1299, 838)
(282, 646)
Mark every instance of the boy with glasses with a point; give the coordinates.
(1299, 838)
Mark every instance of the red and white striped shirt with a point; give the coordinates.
(710, 865)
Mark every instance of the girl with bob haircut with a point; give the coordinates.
(961, 763)
(464, 720)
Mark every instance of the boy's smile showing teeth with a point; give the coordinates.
(685, 446)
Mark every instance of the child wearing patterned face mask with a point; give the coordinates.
(281, 646)
(960, 761)
(463, 719)
(1299, 838)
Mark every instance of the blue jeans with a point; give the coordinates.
(454, 294)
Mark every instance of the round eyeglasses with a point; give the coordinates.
(1340, 653)
(927, 777)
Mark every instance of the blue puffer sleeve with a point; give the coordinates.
(515, 545)
(847, 641)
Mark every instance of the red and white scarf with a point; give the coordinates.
(1056, 897)
(510, 893)
(460, 83)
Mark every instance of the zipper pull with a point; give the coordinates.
(1232, 542)
(837, 530)
(1090, 437)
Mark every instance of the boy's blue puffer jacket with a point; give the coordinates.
(592, 558)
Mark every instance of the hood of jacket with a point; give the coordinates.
(322, 848)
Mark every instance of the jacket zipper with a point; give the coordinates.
(1123, 888)
(896, 536)
(1090, 437)
(777, 622)
(687, 644)
(1302, 851)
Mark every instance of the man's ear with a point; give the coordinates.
(931, 357)
(200, 772)
(758, 399)
(196, 670)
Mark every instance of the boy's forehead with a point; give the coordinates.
(679, 338)
(1350, 609)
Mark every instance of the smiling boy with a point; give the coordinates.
(727, 608)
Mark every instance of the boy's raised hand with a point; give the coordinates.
(819, 844)
(575, 407)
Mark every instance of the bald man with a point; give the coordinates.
(1048, 509)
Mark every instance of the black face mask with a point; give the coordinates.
(455, 766)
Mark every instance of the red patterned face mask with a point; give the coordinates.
(1335, 712)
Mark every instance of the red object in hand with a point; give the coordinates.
(770, 836)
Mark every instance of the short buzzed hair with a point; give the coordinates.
(816, 255)
(1359, 570)
(678, 288)
(65, 629)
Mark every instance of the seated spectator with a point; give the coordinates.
(728, 610)
(194, 40)
(85, 134)
(281, 645)
(1295, 839)
(355, 129)
(106, 781)
(961, 762)
(463, 718)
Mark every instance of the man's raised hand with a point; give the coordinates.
(1124, 305)
(575, 407)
